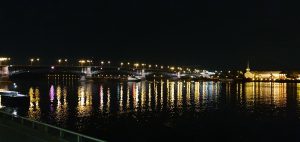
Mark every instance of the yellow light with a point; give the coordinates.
(82, 61)
(4, 59)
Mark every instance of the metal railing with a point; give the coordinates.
(49, 129)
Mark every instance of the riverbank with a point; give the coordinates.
(13, 132)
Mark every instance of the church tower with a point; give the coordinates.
(248, 67)
(248, 74)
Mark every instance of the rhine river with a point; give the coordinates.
(165, 110)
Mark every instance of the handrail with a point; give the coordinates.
(79, 136)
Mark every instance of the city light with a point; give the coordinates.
(61, 61)
(32, 60)
(136, 65)
(82, 62)
(4, 59)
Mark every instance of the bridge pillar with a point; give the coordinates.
(143, 73)
(88, 72)
(178, 74)
(4, 73)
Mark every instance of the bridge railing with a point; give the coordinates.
(49, 129)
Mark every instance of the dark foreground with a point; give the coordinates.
(13, 132)
(217, 126)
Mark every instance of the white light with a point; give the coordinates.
(15, 113)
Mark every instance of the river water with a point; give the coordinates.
(163, 109)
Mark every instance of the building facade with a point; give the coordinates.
(264, 75)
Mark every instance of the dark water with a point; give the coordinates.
(165, 110)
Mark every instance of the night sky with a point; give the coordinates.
(207, 33)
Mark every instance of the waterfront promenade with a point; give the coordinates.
(13, 132)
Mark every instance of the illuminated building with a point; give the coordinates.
(264, 75)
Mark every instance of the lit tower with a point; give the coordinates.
(248, 67)
(248, 74)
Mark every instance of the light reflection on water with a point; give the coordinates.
(34, 111)
(87, 104)
(156, 96)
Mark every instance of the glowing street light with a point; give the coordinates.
(31, 61)
(136, 65)
(143, 65)
(89, 61)
(60, 61)
(82, 62)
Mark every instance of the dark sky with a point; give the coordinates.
(208, 33)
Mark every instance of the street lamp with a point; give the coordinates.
(172, 68)
(66, 62)
(59, 61)
(62, 61)
(31, 61)
(81, 62)
(136, 65)
(89, 61)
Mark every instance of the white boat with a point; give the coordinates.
(11, 94)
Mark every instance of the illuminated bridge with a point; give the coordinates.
(8, 71)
